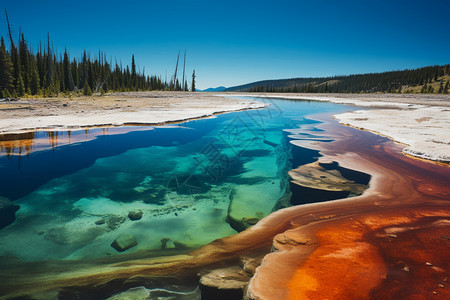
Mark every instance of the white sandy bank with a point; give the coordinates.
(174, 110)
(425, 130)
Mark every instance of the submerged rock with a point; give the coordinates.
(7, 212)
(135, 215)
(124, 242)
(114, 221)
(100, 222)
(167, 243)
(229, 283)
(250, 203)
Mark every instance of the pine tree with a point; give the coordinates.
(441, 87)
(49, 73)
(6, 71)
(25, 66)
(446, 87)
(133, 72)
(34, 78)
(40, 62)
(66, 72)
(74, 76)
(90, 75)
(193, 82)
(86, 89)
(48, 64)
(424, 89)
(20, 88)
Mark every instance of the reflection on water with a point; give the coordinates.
(159, 189)
(25, 143)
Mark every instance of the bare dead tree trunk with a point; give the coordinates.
(174, 78)
(9, 29)
(184, 69)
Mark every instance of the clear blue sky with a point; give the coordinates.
(235, 42)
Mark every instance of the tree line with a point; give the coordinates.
(431, 79)
(46, 73)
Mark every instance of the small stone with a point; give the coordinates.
(176, 214)
(406, 268)
(135, 215)
(428, 264)
(100, 222)
(441, 285)
(124, 242)
(434, 292)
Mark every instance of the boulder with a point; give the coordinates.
(135, 215)
(7, 212)
(124, 242)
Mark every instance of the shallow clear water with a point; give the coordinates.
(190, 181)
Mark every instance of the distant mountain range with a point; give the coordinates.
(431, 79)
(217, 89)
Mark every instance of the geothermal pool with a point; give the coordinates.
(189, 184)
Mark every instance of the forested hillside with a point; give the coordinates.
(45, 72)
(432, 79)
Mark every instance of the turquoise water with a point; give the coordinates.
(194, 183)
